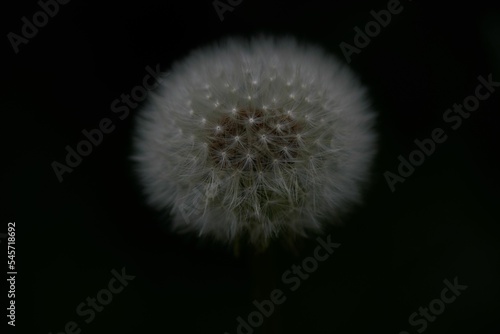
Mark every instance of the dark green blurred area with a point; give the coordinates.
(397, 248)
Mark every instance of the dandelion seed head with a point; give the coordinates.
(241, 146)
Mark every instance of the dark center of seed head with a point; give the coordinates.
(254, 139)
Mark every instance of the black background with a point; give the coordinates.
(396, 249)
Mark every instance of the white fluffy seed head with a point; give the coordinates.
(255, 139)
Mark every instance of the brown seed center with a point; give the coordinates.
(253, 139)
